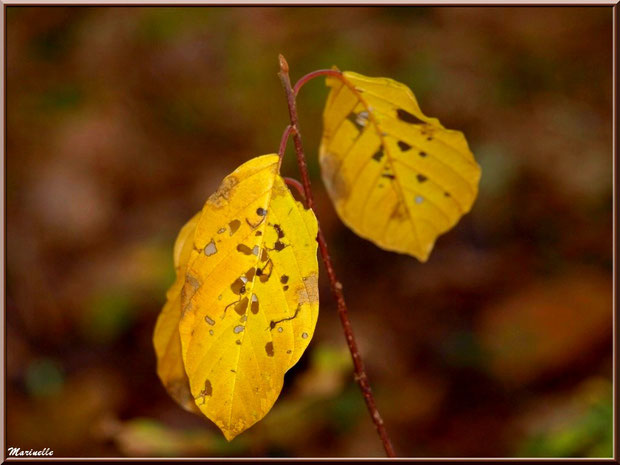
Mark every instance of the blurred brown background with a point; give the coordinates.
(122, 121)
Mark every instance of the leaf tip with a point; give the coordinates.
(229, 433)
(425, 252)
(423, 258)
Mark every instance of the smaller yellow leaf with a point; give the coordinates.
(166, 337)
(396, 176)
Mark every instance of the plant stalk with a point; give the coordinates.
(336, 286)
(321, 72)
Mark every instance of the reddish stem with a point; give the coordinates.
(297, 185)
(321, 72)
(285, 135)
(336, 286)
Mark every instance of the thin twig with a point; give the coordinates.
(285, 135)
(298, 187)
(336, 286)
(312, 75)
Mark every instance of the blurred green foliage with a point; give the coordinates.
(109, 315)
(44, 377)
(588, 434)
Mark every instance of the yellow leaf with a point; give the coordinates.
(250, 299)
(166, 337)
(396, 176)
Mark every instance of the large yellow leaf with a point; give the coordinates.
(396, 176)
(250, 299)
(166, 337)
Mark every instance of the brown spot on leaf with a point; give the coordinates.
(254, 304)
(206, 392)
(234, 225)
(269, 349)
(241, 306)
(189, 289)
(378, 155)
(407, 117)
(279, 231)
(284, 279)
(279, 246)
(220, 197)
(422, 154)
(244, 249)
(260, 211)
(421, 178)
(308, 293)
(353, 117)
(192, 281)
(238, 286)
(404, 146)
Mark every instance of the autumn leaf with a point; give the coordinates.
(250, 298)
(396, 176)
(166, 337)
